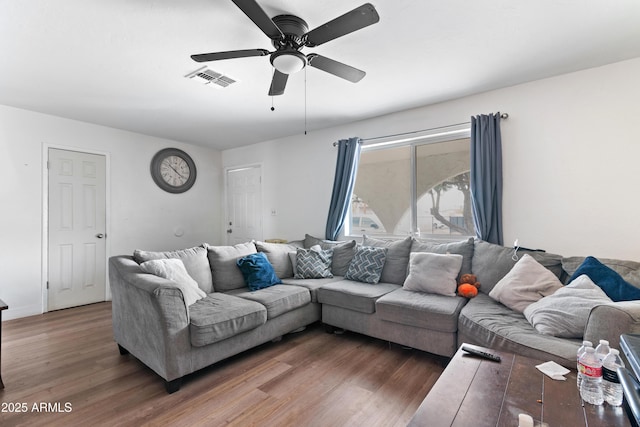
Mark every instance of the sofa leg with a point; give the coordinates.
(123, 351)
(330, 329)
(173, 385)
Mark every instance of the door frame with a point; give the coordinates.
(225, 214)
(45, 216)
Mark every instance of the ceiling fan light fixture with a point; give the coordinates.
(288, 61)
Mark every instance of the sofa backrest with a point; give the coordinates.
(224, 271)
(194, 259)
(492, 262)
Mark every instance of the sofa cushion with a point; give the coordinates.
(492, 262)
(611, 282)
(355, 296)
(433, 273)
(220, 316)
(278, 255)
(486, 322)
(277, 299)
(395, 265)
(310, 241)
(313, 263)
(173, 269)
(464, 248)
(194, 260)
(257, 271)
(629, 270)
(429, 311)
(343, 252)
(367, 264)
(565, 313)
(312, 284)
(527, 282)
(224, 270)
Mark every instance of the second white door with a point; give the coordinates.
(244, 205)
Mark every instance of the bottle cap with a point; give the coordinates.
(615, 351)
(587, 343)
(604, 342)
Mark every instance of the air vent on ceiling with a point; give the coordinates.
(210, 77)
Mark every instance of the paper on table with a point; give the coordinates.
(553, 370)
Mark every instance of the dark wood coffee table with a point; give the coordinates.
(479, 392)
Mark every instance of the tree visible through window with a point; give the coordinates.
(460, 220)
(420, 189)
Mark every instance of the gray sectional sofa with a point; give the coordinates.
(152, 321)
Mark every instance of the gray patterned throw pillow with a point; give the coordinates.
(367, 264)
(313, 263)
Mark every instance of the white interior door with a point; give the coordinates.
(244, 205)
(76, 225)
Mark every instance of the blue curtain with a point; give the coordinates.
(345, 178)
(486, 177)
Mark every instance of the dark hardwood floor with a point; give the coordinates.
(63, 368)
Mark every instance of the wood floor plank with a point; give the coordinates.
(68, 360)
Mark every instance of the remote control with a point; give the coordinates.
(481, 353)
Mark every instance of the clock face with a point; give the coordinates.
(173, 170)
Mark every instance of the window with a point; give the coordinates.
(418, 187)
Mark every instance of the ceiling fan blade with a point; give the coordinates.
(336, 68)
(358, 18)
(216, 56)
(260, 18)
(278, 83)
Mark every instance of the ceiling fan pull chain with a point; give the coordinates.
(272, 107)
(305, 100)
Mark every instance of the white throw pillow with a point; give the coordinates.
(526, 283)
(173, 269)
(433, 273)
(566, 312)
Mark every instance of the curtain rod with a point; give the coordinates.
(503, 116)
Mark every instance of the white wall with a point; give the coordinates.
(570, 153)
(140, 214)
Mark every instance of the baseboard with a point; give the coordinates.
(18, 312)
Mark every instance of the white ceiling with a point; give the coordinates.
(121, 63)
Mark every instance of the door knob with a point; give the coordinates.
(99, 235)
(229, 231)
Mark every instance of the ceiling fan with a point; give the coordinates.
(289, 34)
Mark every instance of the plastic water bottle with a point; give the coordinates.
(591, 385)
(611, 387)
(602, 350)
(585, 344)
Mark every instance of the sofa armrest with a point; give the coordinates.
(609, 321)
(150, 318)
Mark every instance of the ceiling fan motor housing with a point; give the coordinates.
(293, 28)
(287, 58)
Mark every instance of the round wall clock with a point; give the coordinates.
(173, 170)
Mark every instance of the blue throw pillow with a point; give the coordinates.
(257, 271)
(611, 282)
